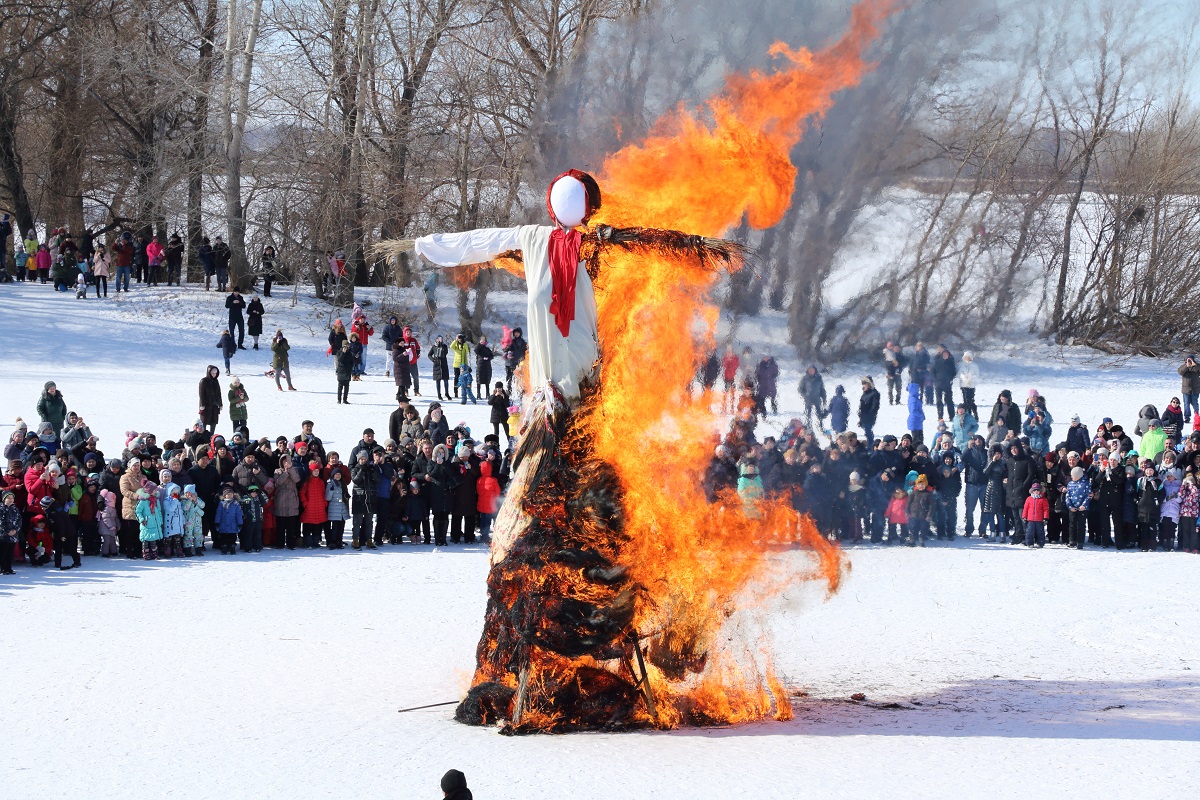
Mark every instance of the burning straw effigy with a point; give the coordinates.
(613, 579)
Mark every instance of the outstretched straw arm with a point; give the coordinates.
(392, 249)
(709, 251)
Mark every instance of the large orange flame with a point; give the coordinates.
(697, 561)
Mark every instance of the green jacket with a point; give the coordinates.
(1153, 443)
(237, 403)
(462, 353)
(279, 349)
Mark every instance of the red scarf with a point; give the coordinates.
(564, 269)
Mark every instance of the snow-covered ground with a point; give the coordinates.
(988, 670)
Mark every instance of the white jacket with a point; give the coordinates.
(968, 374)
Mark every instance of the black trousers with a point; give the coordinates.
(1078, 519)
(1188, 540)
(343, 391)
(968, 394)
(209, 520)
(1166, 534)
(361, 532)
(496, 426)
(457, 372)
(440, 523)
(287, 529)
(127, 538)
(893, 387)
(240, 324)
(66, 545)
(1120, 532)
(383, 514)
(420, 527)
(462, 526)
(312, 533)
(944, 401)
(6, 555)
(335, 530)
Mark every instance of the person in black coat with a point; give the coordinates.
(211, 399)
(993, 506)
(499, 401)
(255, 311)
(1148, 493)
(236, 304)
(441, 367)
(344, 368)
(818, 500)
(974, 462)
(483, 365)
(365, 478)
(868, 409)
(943, 370)
(465, 503)
(720, 476)
(918, 371)
(1021, 473)
(766, 377)
(438, 481)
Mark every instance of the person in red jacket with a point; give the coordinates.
(364, 330)
(39, 483)
(487, 488)
(1034, 514)
(41, 544)
(313, 506)
(414, 355)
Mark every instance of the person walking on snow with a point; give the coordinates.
(255, 312)
(812, 389)
(280, 361)
(236, 305)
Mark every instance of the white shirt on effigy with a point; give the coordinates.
(553, 358)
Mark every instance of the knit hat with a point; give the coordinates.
(968, 355)
(922, 482)
(189, 489)
(135, 463)
(1036, 487)
(46, 501)
(7, 493)
(1076, 473)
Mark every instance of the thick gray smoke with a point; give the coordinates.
(635, 69)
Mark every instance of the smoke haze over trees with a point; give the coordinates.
(1046, 156)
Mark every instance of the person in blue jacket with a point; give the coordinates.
(964, 427)
(1038, 429)
(228, 522)
(916, 414)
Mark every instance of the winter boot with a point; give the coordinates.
(187, 551)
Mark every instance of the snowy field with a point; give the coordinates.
(988, 670)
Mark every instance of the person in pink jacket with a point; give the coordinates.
(42, 260)
(101, 262)
(154, 258)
